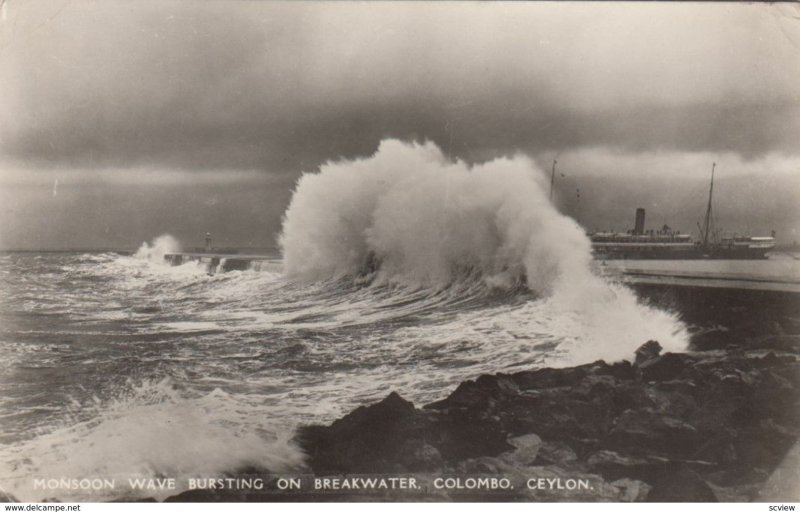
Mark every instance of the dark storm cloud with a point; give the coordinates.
(123, 120)
(282, 87)
(476, 132)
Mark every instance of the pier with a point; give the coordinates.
(217, 260)
(216, 263)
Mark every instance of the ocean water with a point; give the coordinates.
(115, 367)
(401, 272)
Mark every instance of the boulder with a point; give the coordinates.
(549, 378)
(631, 490)
(525, 449)
(712, 339)
(783, 342)
(483, 392)
(555, 453)
(613, 466)
(367, 440)
(607, 458)
(678, 484)
(644, 431)
(646, 352)
(417, 455)
(667, 367)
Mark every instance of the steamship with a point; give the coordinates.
(665, 243)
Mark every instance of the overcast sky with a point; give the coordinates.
(124, 120)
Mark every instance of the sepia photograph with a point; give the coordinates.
(429, 252)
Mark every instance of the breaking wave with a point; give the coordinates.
(410, 216)
(161, 245)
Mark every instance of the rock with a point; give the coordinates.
(390, 408)
(782, 342)
(772, 359)
(611, 465)
(714, 339)
(596, 385)
(631, 490)
(646, 352)
(234, 496)
(675, 400)
(774, 398)
(782, 484)
(646, 431)
(667, 367)
(738, 493)
(609, 458)
(684, 387)
(763, 444)
(416, 455)
(622, 370)
(481, 393)
(555, 453)
(483, 466)
(679, 484)
(367, 440)
(549, 378)
(391, 436)
(203, 496)
(498, 384)
(526, 448)
(460, 436)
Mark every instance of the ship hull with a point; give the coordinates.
(606, 252)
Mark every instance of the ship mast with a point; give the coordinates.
(552, 179)
(708, 224)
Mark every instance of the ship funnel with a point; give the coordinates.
(638, 228)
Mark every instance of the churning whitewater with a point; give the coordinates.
(403, 271)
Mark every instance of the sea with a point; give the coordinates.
(403, 272)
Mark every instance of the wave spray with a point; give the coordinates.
(408, 215)
(161, 245)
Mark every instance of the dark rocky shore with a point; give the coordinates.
(702, 426)
(707, 425)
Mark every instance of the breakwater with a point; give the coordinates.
(216, 263)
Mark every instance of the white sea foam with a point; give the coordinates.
(425, 219)
(150, 430)
(411, 215)
(161, 245)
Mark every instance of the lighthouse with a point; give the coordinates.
(208, 242)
